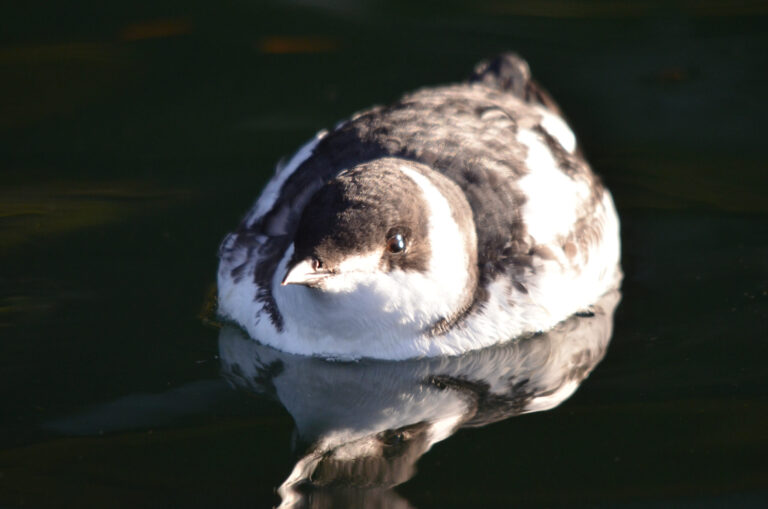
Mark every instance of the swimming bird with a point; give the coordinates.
(458, 217)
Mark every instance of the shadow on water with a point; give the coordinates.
(362, 426)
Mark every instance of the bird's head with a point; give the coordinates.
(389, 237)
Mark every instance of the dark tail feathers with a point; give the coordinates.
(506, 72)
(510, 73)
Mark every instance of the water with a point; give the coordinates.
(134, 136)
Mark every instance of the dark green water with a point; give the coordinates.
(133, 137)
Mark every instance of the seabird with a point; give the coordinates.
(458, 217)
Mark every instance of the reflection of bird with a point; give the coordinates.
(456, 218)
(365, 424)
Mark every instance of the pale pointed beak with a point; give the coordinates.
(305, 273)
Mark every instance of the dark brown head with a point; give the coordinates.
(372, 212)
(393, 236)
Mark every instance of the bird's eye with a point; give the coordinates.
(396, 243)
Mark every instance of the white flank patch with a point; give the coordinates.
(557, 128)
(554, 292)
(553, 199)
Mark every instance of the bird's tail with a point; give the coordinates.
(508, 72)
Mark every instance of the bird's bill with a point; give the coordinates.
(303, 273)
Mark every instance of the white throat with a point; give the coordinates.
(363, 305)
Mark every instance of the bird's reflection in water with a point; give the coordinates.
(362, 426)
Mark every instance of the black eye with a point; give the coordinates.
(396, 243)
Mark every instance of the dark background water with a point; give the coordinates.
(133, 137)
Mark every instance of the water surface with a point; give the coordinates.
(133, 137)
